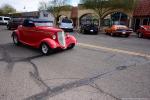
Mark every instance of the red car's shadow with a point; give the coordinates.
(24, 51)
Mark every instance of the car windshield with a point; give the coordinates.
(43, 23)
(66, 21)
(120, 27)
(6, 18)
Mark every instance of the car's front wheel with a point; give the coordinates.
(112, 34)
(71, 46)
(15, 39)
(45, 49)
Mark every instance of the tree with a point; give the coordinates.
(54, 7)
(101, 7)
(129, 6)
(6, 9)
(43, 6)
(1, 11)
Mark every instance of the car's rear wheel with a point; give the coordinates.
(45, 49)
(15, 39)
(140, 35)
(71, 46)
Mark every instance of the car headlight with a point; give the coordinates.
(54, 37)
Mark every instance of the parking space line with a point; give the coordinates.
(114, 50)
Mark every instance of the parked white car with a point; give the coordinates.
(4, 20)
(66, 24)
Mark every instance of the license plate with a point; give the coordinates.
(91, 30)
(123, 32)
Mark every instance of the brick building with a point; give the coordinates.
(141, 15)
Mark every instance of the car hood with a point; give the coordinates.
(49, 29)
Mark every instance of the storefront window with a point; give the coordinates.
(145, 21)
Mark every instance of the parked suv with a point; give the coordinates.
(4, 20)
(66, 24)
(14, 23)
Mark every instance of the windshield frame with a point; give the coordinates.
(43, 23)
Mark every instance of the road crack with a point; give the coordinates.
(94, 85)
(12, 60)
(69, 86)
(50, 92)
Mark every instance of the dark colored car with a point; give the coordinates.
(89, 28)
(143, 31)
(14, 23)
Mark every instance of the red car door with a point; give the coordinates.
(31, 35)
(21, 30)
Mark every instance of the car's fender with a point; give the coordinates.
(52, 43)
(16, 32)
(71, 39)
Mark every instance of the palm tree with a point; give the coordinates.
(101, 7)
(54, 7)
(127, 6)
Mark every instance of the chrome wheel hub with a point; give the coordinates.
(44, 48)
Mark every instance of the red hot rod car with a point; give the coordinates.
(38, 33)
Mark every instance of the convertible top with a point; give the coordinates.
(39, 20)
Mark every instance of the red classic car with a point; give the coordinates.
(143, 31)
(119, 30)
(38, 33)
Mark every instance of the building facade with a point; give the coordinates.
(141, 15)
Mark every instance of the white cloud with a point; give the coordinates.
(29, 5)
(23, 5)
(75, 2)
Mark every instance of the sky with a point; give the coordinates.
(29, 5)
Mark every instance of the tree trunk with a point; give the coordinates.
(120, 18)
(55, 22)
(130, 22)
(99, 24)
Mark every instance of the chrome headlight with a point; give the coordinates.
(54, 37)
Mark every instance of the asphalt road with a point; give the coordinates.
(100, 67)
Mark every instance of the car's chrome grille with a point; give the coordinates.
(61, 38)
